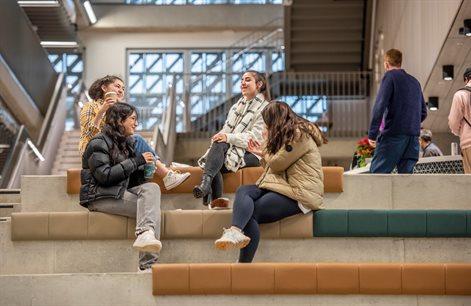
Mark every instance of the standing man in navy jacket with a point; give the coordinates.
(401, 103)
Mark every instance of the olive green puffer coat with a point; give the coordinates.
(296, 171)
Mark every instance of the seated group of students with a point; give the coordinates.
(256, 132)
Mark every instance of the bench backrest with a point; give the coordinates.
(333, 179)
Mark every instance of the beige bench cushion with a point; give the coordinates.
(176, 224)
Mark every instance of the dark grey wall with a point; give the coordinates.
(21, 49)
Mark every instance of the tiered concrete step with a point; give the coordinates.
(434, 191)
(6, 209)
(87, 272)
(48, 193)
(83, 256)
(136, 289)
(9, 202)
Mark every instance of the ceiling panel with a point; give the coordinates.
(455, 51)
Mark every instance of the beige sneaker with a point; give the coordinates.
(174, 178)
(231, 238)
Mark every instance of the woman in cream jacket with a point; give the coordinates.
(292, 181)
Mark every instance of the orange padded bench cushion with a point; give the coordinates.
(312, 278)
(176, 224)
(231, 181)
(333, 179)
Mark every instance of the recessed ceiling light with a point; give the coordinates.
(90, 12)
(59, 44)
(38, 3)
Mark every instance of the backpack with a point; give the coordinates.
(467, 89)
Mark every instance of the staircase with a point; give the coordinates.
(68, 154)
(324, 35)
(10, 201)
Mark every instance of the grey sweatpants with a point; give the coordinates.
(142, 203)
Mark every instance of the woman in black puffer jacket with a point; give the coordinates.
(111, 182)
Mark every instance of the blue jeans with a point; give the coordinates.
(141, 146)
(254, 206)
(401, 151)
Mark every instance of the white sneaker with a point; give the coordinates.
(146, 242)
(174, 178)
(231, 238)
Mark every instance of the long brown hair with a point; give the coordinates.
(260, 77)
(283, 125)
(95, 92)
(122, 146)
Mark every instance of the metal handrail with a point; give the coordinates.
(248, 39)
(56, 96)
(23, 139)
(345, 93)
(80, 98)
(267, 38)
(13, 156)
(165, 134)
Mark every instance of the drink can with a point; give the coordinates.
(149, 170)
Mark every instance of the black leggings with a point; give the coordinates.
(214, 166)
(254, 206)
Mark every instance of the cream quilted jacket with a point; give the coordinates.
(296, 171)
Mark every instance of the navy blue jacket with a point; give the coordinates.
(402, 104)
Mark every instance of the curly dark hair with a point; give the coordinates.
(265, 89)
(95, 92)
(122, 145)
(282, 125)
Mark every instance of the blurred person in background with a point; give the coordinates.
(459, 119)
(429, 149)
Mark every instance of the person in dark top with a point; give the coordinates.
(112, 181)
(402, 104)
(429, 149)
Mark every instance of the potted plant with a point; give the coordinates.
(364, 153)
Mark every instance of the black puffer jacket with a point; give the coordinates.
(100, 178)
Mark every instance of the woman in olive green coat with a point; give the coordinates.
(292, 181)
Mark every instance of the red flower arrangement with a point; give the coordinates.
(363, 151)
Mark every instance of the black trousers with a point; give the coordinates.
(214, 166)
(254, 206)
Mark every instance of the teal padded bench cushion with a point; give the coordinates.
(331, 223)
(368, 223)
(392, 223)
(468, 226)
(407, 223)
(446, 223)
